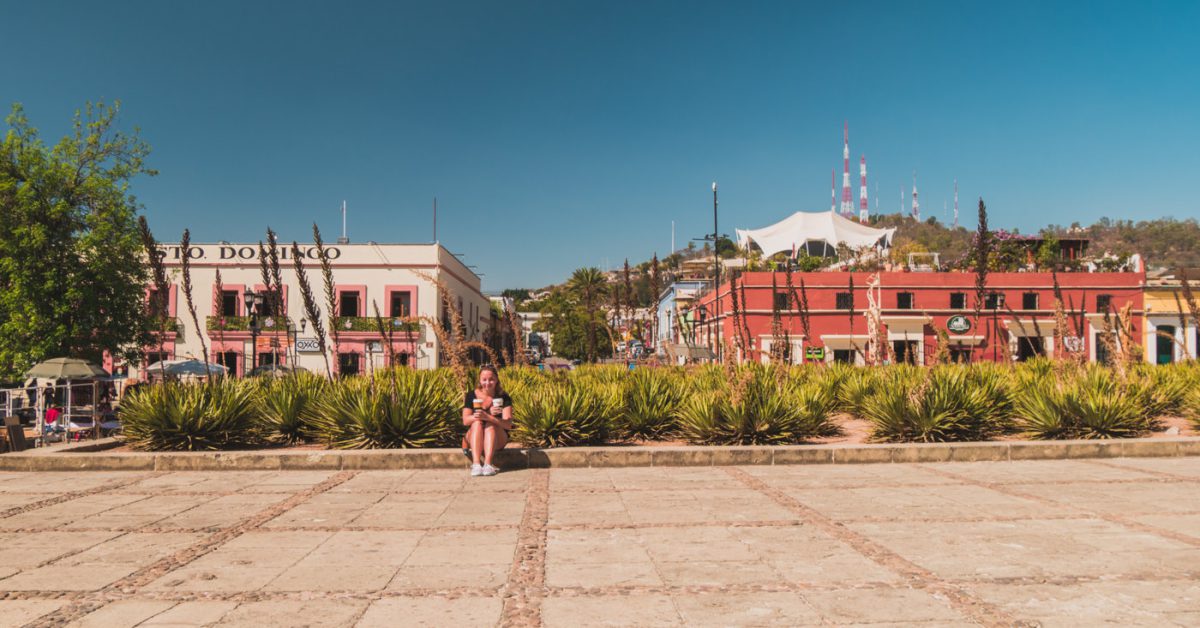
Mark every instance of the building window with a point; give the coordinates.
(229, 303)
(348, 304)
(904, 300)
(845, 300)
(401, 305)
(1102, 343)
(906, 351)
(348, 364)
(1103, 302)
(157, 305)
(229, 360)
(993, 301)
(1165, 344)
(154, 357)
(268, 359)
(781, 301)
(845, 356)
(1029, 301)
(1030, 347)
(960, 355)
(958, 300)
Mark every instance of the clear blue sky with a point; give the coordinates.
(563, 134)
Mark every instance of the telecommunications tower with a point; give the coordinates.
(956, 203)
(863, 205)
(847, 200)
(916, 208)
(833, 190)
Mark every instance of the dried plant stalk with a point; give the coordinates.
(330, 290)
(160, 300)
(311, 308)
(184, 245)
(218, 297)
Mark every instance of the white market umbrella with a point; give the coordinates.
(185, 368)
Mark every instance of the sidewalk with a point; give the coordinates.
(1077, 542)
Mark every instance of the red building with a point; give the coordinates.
(1016, 319)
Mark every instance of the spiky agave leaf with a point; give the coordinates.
(402, 408)
(288, 405)
(651, 398)
(191, 417)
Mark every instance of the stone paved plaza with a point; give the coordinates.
(1055, 543)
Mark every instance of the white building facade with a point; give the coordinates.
(398, 279)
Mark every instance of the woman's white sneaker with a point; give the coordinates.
(477, 470)
(489, 470)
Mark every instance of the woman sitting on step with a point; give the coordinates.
(487, 413)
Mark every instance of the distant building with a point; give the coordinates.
(1016, 322)
(1171, 332)
(398, 279)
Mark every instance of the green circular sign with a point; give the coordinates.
(959, 324)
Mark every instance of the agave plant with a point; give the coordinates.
(651, 399)
(1087, 403)
(190, 417)
(942, 404)
(400, 408)
(564, 413)
(288, 404)
(765, 412)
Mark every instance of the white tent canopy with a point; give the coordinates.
(814, 231)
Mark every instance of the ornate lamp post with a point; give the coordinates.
(252, 300)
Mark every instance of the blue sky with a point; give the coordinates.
(565, 134)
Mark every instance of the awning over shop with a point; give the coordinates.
(675, 350)
(1027, 328)
(906, 324)
(845, 341)
(965, 340)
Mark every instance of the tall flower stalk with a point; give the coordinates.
(330, 290)
(218, 296)
(311, 307)
(160, 301)
(186, 263)
(980, 257)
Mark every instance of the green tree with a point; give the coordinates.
(72, 273)
(590, 286)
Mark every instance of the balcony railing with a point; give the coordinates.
(242, 323)
(368, 324)
(169, 325)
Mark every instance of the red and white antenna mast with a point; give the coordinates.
(956, 203)
(833, 190)
(916, 210)
(847, 199)
(863, 205)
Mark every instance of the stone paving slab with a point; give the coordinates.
(1050, 542)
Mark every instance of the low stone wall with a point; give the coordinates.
(90, 456)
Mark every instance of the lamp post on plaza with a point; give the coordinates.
(293, 333)
(252, 300)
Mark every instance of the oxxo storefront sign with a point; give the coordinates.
(958, 324)
(230, 252)
(308, 345)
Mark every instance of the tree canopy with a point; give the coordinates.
(71, 268)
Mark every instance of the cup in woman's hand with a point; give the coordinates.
(497, 406)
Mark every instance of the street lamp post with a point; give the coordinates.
(252, 300)
(716, 272)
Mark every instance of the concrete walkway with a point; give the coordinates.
(1064, 542)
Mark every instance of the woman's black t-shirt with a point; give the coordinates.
(469, 401)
